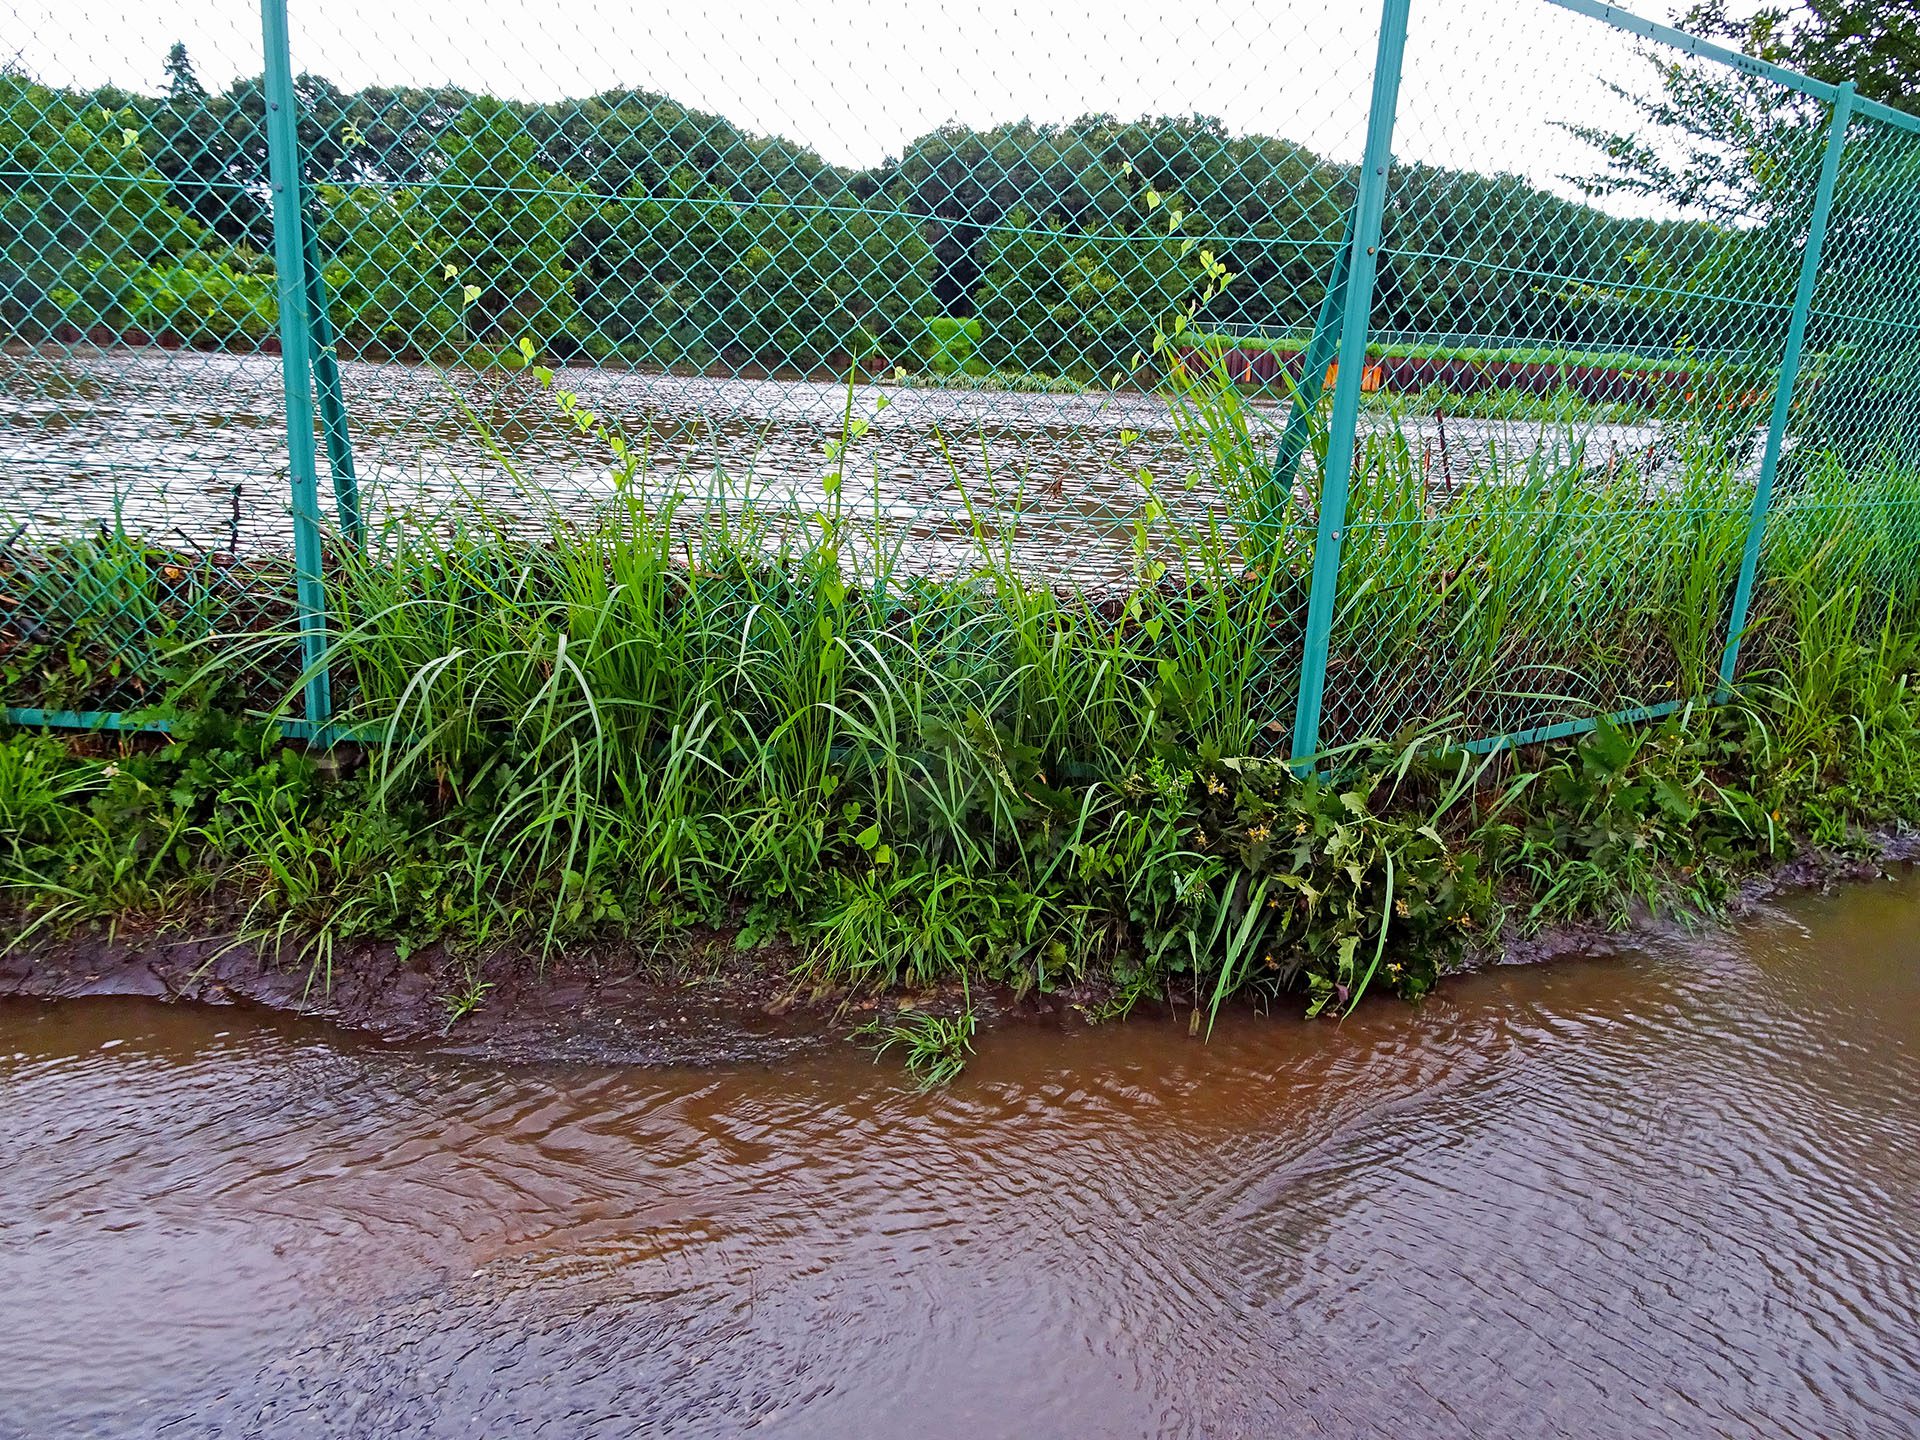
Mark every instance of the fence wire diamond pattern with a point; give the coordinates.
(1406, 358)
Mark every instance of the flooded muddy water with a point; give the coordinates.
(191, 448)
(1671, 1193)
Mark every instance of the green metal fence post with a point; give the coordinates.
(1313, 368)
(333, 399)
(1783, 386)
(1363, 239)
(296, 361)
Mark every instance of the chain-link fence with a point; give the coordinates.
(1480, 363)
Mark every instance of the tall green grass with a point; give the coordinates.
(1542, 589)
(716, 700)
(97, 620)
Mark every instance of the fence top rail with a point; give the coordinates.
(1633, 24)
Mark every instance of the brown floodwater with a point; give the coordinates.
(188, 449)
(1673, 1192)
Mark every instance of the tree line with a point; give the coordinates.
(627, 226)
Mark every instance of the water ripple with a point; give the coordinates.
(1669, 1194)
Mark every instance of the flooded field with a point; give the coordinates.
(191, 446)
(1673, 1193)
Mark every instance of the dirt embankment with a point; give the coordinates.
(708, 1004)
(604, 1006)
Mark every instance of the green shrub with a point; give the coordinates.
(948, 346)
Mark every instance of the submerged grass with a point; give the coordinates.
(688, 711)
(933, 1047)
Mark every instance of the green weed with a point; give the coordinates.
(935, 1048)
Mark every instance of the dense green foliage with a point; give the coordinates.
(1875, 47)
(90, 235)
(951, 346)
(1076, 304)
(1199, 878)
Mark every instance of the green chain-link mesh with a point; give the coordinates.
(789, 263)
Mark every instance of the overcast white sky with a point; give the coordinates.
(1485, 79)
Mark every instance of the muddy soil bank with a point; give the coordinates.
(708, 1003)
(607, 1006)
